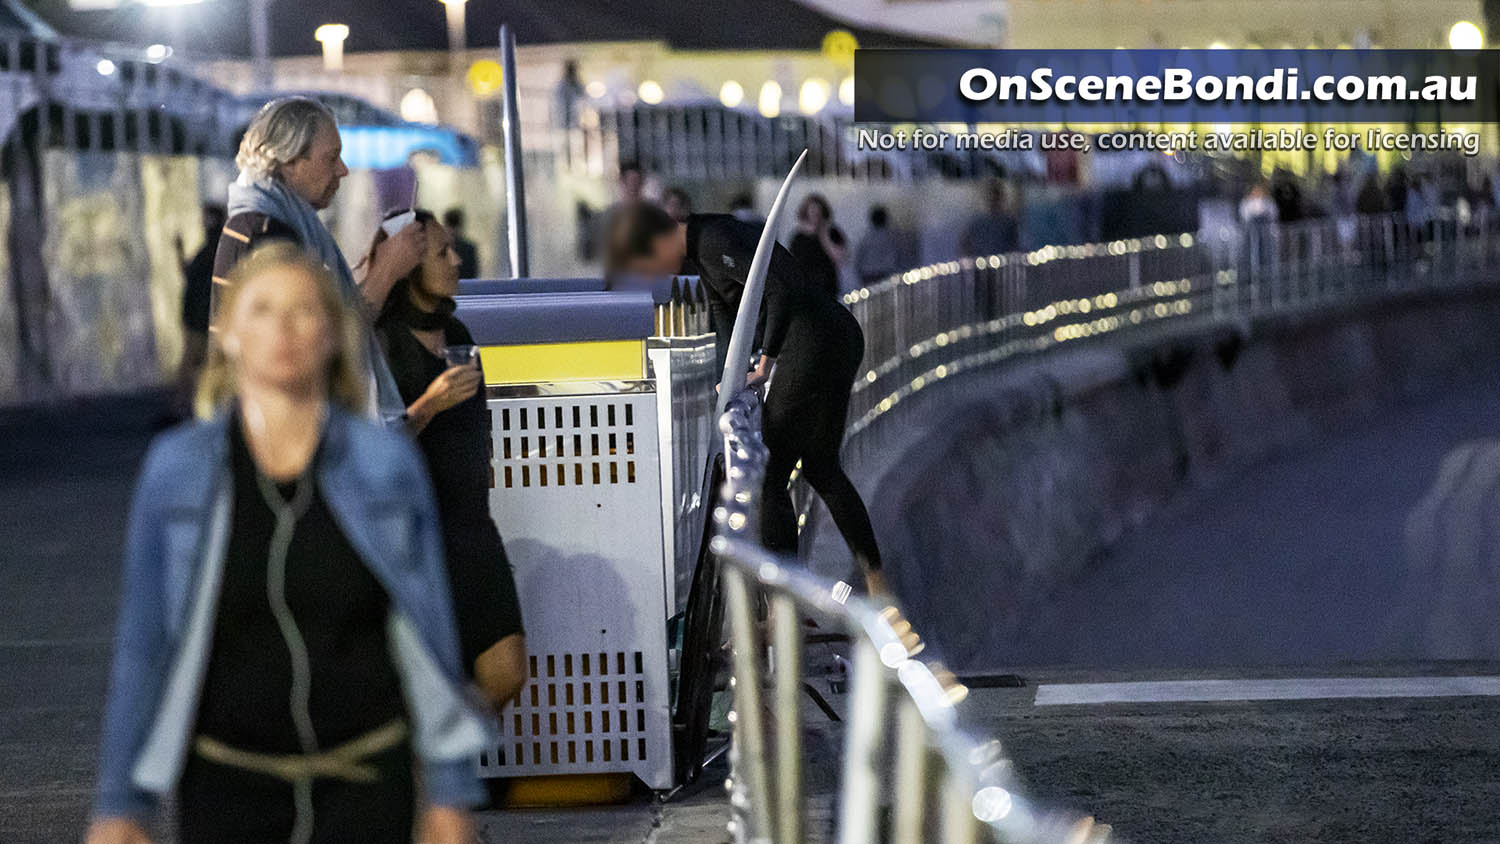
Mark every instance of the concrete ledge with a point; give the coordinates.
(1004, 484)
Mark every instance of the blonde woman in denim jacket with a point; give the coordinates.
(286, 661)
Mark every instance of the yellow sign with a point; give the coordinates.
(485, 77)
(839, 45)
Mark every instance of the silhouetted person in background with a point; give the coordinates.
(879, 252)
(677, 203)
(468, 254)
(819, 246)
(993, 232)
(197, 302)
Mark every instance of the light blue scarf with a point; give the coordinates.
(274, 199)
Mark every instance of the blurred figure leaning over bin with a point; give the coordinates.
(436, 365)
(286, 651)
(290, 164)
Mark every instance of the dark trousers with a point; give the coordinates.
(219, 804)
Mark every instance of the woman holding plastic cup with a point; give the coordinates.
(436, 366)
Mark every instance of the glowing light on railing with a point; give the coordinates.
(736, 521)
(893, 654)
(994, 262)
(770, 99)
(992, 804)
(846, 91)
(731, 94)
(105, 67)
(1185, 239)
(158, 53)
(596, 89)
(650, 92)
(1161, 241)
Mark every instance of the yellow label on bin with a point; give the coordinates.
(608, 360)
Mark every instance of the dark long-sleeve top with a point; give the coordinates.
(241, 235)
(719, 251)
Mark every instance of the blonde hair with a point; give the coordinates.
(346, 379)
(281, 131)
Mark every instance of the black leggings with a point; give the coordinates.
(804, 420)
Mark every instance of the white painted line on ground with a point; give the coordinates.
(1301, 688)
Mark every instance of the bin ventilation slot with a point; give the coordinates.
(581, 444)
(586, 709)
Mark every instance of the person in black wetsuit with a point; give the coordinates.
(447, 411)
(813, 342)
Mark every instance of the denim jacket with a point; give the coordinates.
(377, 489)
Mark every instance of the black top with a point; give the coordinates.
(333, 616)
(719, 251)
(197, 289)
(456, 442)
(822, 273)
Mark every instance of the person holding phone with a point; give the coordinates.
(436, 367)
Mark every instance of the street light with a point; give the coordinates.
(1465, 36)
(331, 36)
(456, 39)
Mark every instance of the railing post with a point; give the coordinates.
(861, 792)
(787, 658)
(749, 727)
(911, 776)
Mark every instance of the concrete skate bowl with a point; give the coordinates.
(1004, 493)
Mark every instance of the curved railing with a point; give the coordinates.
(935, 322)
(943, 782)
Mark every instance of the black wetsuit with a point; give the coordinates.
(456, 444)
(818, 346)
(299, 645)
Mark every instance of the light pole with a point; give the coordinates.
(260, 44)
(456, 38)
(331, 36)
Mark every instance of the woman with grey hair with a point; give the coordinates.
(290, 164)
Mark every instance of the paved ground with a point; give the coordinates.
(1293, 569)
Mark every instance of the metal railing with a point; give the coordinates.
(934, 322)
(939, 783)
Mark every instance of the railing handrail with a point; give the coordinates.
(977, 788)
